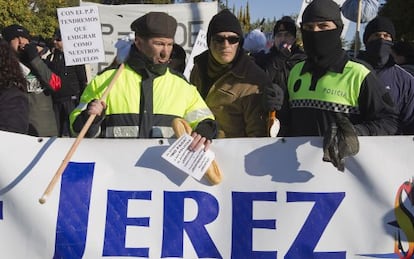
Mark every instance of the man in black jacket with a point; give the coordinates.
(74, 80)
(278, 62)
(378, 39)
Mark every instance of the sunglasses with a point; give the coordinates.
(230, 39)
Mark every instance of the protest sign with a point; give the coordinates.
(81, 35)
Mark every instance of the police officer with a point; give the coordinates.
(329, 82)
(73, 79)
(331, 95)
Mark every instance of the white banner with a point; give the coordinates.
(120, 199)
(116, 21)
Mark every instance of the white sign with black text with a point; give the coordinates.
(81, 35)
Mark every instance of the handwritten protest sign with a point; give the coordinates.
(81, 35)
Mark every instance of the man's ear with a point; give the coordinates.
(138, 42)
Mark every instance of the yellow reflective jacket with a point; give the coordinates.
(129, 114)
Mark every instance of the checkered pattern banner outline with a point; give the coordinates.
(328, 106)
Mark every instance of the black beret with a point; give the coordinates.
(155, 24)
(224, 21)
(14, 31)
(378, 24)
(322, 10)
(285, 24)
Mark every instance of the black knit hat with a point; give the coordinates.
(224, 21)
(378, 24)
(285, 24)
(14, 31)
(322, 10)
(155, 24)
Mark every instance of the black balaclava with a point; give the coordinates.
(324, 47)
(378, 51)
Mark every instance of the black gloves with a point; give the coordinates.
(273, 97)
(207, 128)
(340, 141)
(29, 52)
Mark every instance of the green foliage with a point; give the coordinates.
(39, 17)
(15, 12)
(401, 14)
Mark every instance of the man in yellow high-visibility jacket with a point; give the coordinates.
(147, 95)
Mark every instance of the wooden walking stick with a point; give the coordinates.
(77, 141)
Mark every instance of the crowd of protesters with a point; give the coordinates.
(234, 84)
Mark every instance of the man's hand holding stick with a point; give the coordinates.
(77, 141)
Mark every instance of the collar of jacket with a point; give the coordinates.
(277, 53)
(337, 67)
(238, 68)
(142, 65)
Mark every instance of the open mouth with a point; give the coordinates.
(163, 61)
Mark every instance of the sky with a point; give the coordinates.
(268, 9)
